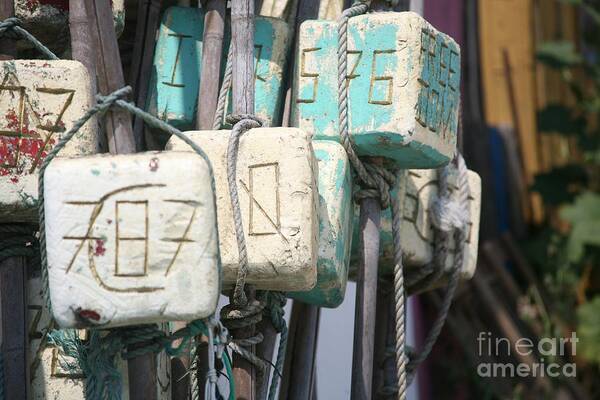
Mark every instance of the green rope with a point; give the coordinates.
(11, 27)
(98, 358)
(274, 303)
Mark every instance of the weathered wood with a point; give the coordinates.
(242, 33)
(110, 74)
(82, 48)
(13, 300)
(299, 370)
(143, 53)
(212, 49)
(384, 325)
(142, 377)
(366, 301)
(265, 350)
(13, 290)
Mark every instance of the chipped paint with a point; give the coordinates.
(403, 91)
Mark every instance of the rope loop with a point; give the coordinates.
(243, 123)
(11, 28)
(234, 317)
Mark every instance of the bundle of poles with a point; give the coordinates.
(94, 44)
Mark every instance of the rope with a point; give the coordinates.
(243, 123)
(222, 101)
(275, 301)
(11, 28)
(129, 342)
(449, 216)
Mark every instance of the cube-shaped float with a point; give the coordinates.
(404, 81)
(335, 226)
(271, 48)
(417, 232)
(173, 93)
(48, 21)
(39, 101)
(49, 379)
(131, 239)
(276, 181)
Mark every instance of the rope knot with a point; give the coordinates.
(105, 102)
(235, 317)
(9, 24)
(378, 181)
(234, 119)
(448, 214)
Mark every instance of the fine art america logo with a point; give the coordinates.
(534, 359)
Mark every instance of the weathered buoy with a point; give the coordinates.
(131, 239)
(417, 233)
(335, 226)
(404, 82)
(173, 93)
(276, 180)
(39, 101)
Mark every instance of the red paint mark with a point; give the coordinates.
(99, 250)
(154, 164)
(14, 179)
(28, 144)
(109, 221)
(89, 314)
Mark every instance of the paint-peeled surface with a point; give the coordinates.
(131, 239)
(335, 226)
(403, 80)
(417, 236)
(39, 102)
(276, 181)
(173, 95)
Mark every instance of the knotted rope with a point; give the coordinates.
(98, 358)
(11, 28)
(377, 182)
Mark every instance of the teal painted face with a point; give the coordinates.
(173, 94)
(335, 226)
(403, 86)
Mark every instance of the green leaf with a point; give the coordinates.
(559, 54)
(560, 185)
(556, 118)
(584, 216)
(588, 330)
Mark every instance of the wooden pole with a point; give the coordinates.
(208, 94)
(141, 66)
(212, 47)
(383, 318)
(366, 301)
(13, 285)
(242, 34)
(299, 372)
(141, 370)
(82, 48)
(110, 74)
(13, 274)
